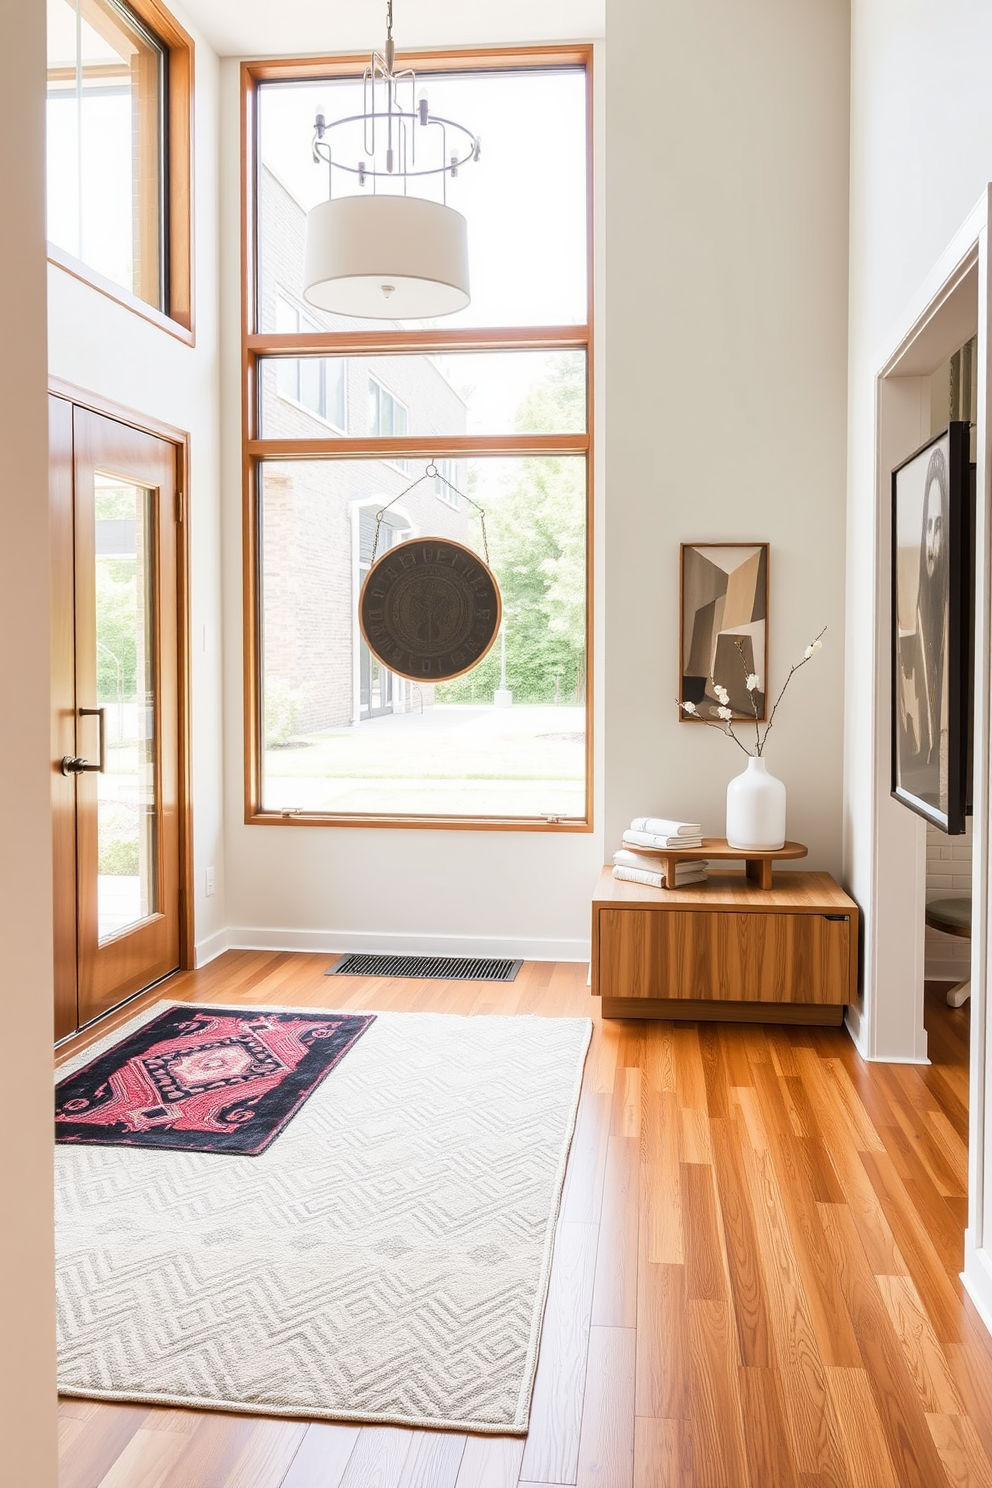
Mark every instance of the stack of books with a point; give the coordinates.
(638, 860)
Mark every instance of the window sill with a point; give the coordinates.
(295, 818)
(78, 270)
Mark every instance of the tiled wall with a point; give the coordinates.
(948, 872)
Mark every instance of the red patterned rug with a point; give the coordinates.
(204, 1079)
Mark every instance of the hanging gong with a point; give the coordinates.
(430, 609)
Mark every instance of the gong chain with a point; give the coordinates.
(431, 473)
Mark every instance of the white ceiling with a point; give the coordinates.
(295, 27)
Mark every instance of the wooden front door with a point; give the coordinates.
(116, 683)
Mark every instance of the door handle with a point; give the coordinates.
(74, 764)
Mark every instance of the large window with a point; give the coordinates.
(118, 149)
(488, 408)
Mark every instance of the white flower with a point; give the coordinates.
(812, 649)
(688, 707)
(721, 693)
(752, 681)
(725, 713)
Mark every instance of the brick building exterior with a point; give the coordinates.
(318, 516)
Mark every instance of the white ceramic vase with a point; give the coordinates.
(756, 809)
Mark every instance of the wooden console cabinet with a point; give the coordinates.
(726, 949)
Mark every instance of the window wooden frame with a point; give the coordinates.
(256, 344)
(177, 318)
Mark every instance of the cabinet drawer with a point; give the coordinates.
(724, 956)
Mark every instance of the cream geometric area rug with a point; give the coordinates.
(386, 1259)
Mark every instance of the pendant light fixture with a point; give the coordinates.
(383, 254)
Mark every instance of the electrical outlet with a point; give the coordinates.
(211, 883)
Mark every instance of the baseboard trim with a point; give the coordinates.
(857, 1027)
(948, 970)
(977, 1278)
(339, 942)
(854, 1022)
(208, 950)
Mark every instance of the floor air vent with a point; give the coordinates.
(446, 968)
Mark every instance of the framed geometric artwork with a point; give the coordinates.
(931, 625)
(724, 627)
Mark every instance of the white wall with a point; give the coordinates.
(98, 345)
(726, 250)
(27, 1312)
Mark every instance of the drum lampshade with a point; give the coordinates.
(386, 258)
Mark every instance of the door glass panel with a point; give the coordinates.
(127, 826)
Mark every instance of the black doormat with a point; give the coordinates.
(444, 968)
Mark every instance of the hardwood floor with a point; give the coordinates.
(755, 1282)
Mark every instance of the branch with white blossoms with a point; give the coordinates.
(725, 713)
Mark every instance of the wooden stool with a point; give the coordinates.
(953, 917)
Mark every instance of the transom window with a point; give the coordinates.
(118, 132)
(492, 401)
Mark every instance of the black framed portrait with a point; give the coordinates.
(931, 622)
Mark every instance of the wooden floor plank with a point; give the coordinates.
(662, 1353)
(267, 1454)
(552, 1452)
(909, 1443)
(210, 1452)
(927, 1266)
(705, 1272)
(965, 1460)
(582, 1199)
(746, 1281)
(491, 1462)
(69, 1430)
(615, 1296)
(831, 1324)
(796, 1346)
(91, 1452)
(657, 1453)
(147, 1460)
(322, 1457)
(769, 1453)
(606, 1455)
(433, 1460)
(662, 1238)
(866, 1455)
(378, 1458)
(714, 1436)
(921, 1348)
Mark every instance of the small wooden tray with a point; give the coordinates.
(757, 865)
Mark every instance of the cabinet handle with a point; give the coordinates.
(836, 917)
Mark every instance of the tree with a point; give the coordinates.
(117, 605)
(537, 544)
